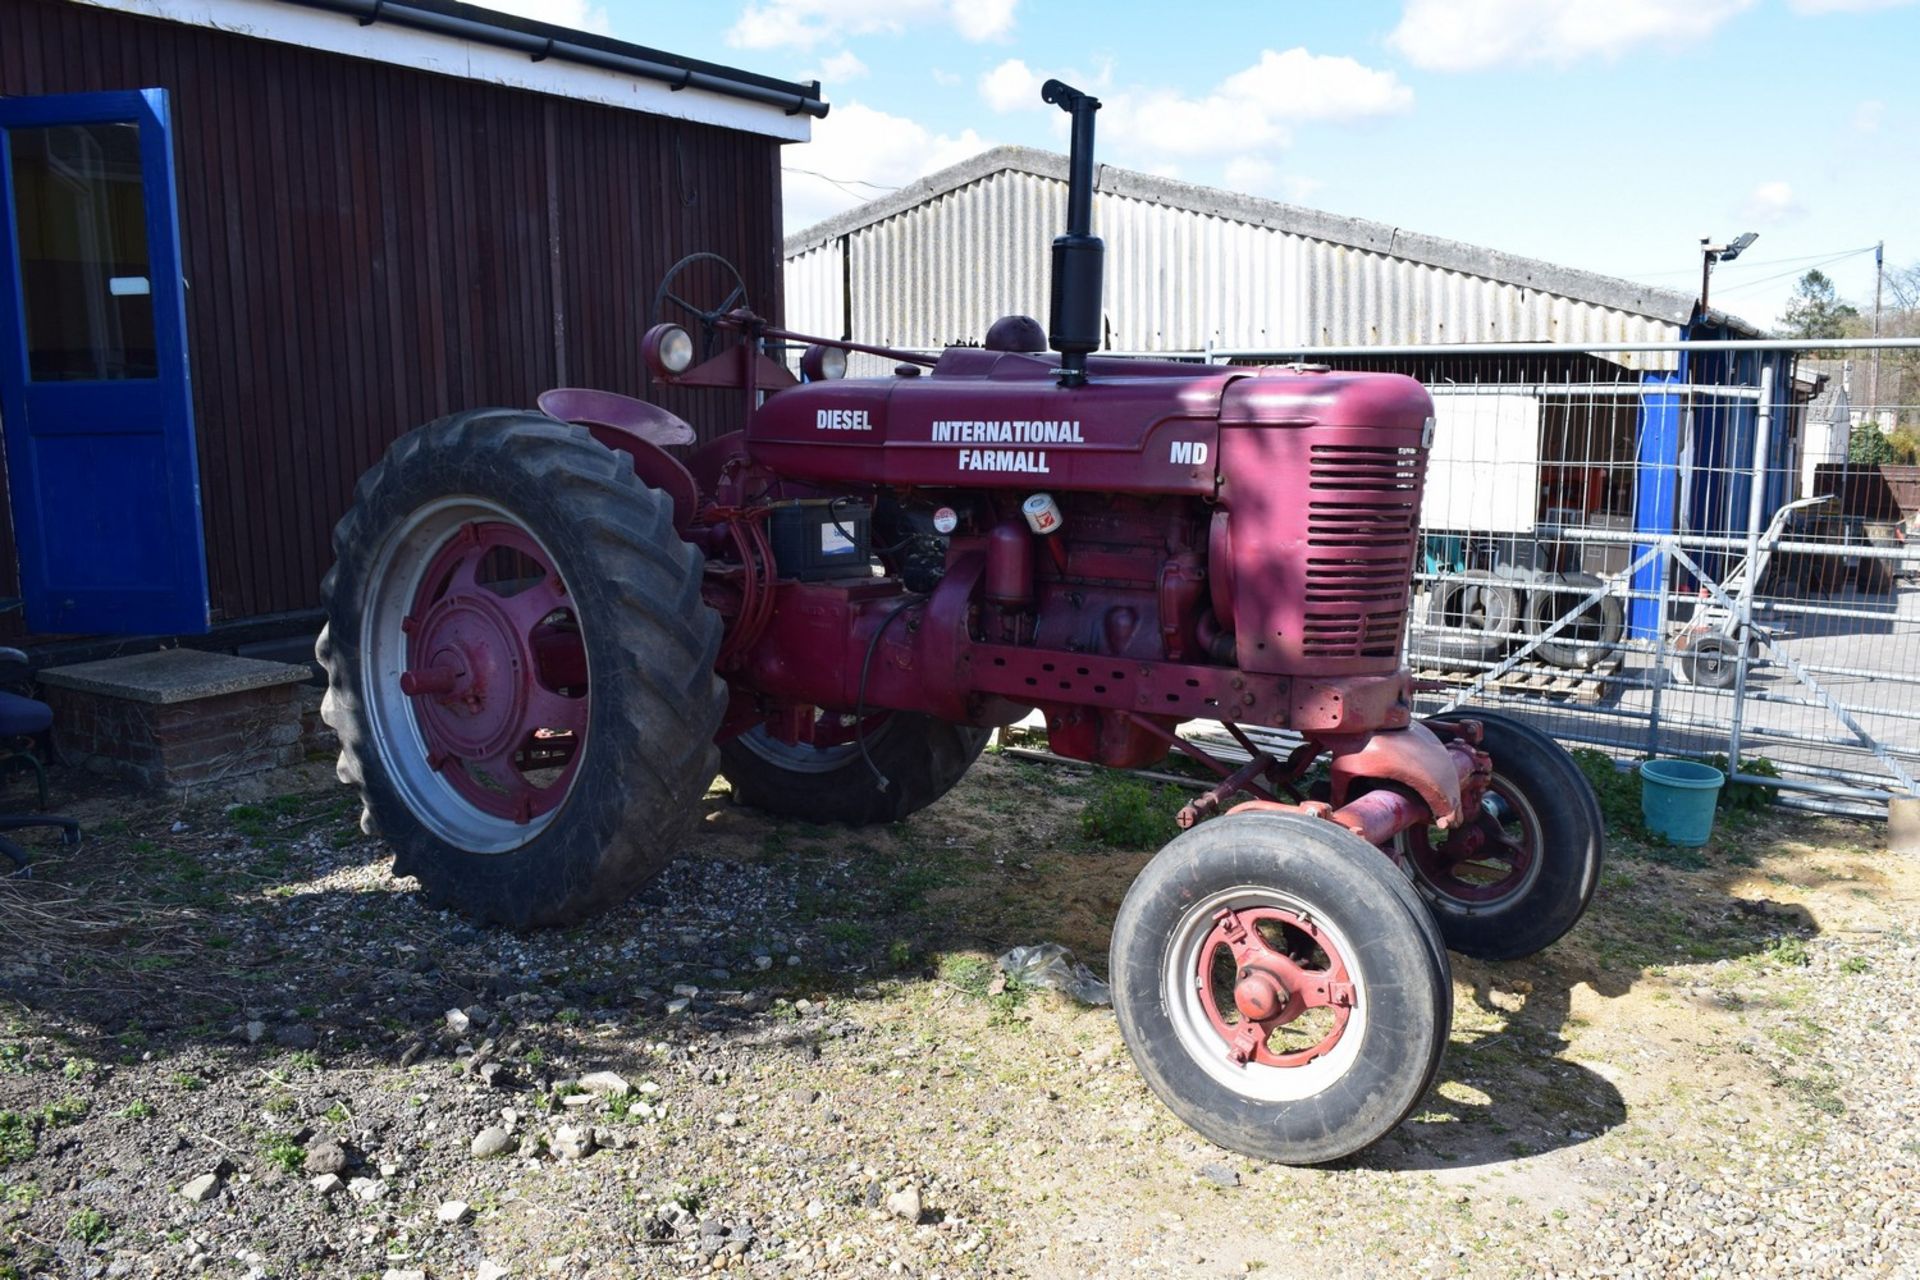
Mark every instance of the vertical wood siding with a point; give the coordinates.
(369, 247)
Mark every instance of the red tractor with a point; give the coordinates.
(548, 631)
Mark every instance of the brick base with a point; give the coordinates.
(177, 745)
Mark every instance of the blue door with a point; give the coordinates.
(94, 397)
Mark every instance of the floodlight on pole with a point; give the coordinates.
(1711, 253)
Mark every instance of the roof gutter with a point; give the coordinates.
(540, 41)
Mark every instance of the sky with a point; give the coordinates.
(1610, 135)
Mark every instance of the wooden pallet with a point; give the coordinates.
(1528, 679)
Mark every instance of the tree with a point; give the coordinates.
(1868, 446)
(1815, 310)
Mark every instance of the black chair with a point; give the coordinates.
(26, 718)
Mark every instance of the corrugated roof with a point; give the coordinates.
(1665, 305)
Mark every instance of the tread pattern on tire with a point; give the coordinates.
(1547, 600)
(655, 700)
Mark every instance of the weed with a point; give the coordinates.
(1747, 797)
(282, 1150)
(1123, 812)
(900, 954)
(303, 1059)
(21, 1193)
(188, 1082)
(78, 1068)
(1788, 952)
(336, 1114)
(89, 1226)
(1855, 964)
(969, 973)
(1618, 790)
(848, 934)
(138, 1109)
(17, 1141)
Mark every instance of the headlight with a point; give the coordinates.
(821, 363)
(667, 349)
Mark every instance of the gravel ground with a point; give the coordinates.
(232, 1044)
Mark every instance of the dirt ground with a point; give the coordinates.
(232, 1044)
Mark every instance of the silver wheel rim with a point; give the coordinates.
(1195, 1031)
(393, 724)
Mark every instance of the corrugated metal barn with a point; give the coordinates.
(1187, 267)
(336, 219)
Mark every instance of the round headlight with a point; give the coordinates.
(676, 350)
(667, 349)
(822, 363)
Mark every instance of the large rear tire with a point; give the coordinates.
(920, 757)
(520, 667)
(1525, 867)
(1349, 1038)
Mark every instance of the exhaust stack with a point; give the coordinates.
(1079, 257)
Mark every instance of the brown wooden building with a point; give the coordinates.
(385, 210)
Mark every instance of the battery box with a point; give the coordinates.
(816, 538)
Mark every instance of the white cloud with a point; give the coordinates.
(804, 24)
(1257, 107)
(581, 15)
(942, 76)
(1770, 204)
(1844, 6)
(1251, 108)
(1011, 86)
(856, 154)
(1867, 116)
(838, 68)
(979, 20)
(1468, 35)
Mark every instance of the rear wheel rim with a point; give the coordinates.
(1320, 1004)
(1483, 865)
(475, 669)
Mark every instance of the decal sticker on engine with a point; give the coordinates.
(842, 420)
(1030, 461)
(1007, 432)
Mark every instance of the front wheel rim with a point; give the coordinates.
(475, 674)
(1280, 1041)
(1483, 865)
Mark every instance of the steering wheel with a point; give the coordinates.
(695, 279)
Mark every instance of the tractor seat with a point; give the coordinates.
(23, 717)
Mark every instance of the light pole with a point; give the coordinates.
(1711, 253)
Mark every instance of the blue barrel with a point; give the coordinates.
(1677, 798)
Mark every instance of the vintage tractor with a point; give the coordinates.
(548, 631)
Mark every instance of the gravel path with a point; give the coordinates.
(232, 1044)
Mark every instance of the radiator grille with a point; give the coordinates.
(1362, 521)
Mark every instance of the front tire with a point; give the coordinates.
(520, 667)
(1520, 874)
(920, 757)
(1313, 1066)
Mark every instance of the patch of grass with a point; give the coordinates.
(1787, 953)
(281, 1150)
(1855, 964)
(187, 1081)
(89, 1226)
(20, 1193)
(17, 1140)
(1123, 812)
(969, 973)
(1747, 797)
(138, 1109)
(1618, 791)
(848, 933)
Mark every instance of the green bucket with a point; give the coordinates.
(1677, 798)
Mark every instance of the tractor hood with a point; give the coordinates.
(990, 419)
